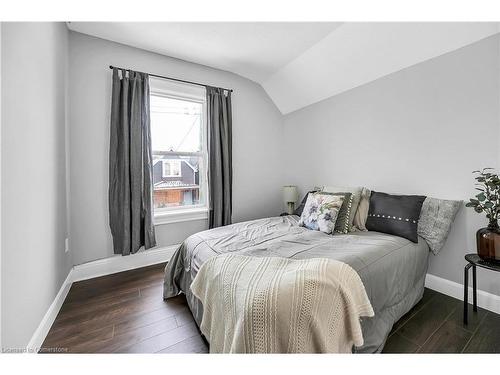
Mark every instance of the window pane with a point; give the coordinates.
(171, 167)
(176, 180)
(175, 124)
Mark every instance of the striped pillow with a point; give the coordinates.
(342, 223)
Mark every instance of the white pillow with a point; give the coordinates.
(321, 211)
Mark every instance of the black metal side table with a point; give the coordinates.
(473, 260)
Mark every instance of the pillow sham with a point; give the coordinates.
(355, 191)
(435, 221)
(395, 214)
(362, 212)
(321, 211)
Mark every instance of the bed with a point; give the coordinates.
(391, 268)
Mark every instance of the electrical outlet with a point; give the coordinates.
(66, 245)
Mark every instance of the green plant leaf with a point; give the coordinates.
(481, 197)
(487, 182)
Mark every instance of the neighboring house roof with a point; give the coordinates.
(174, 185)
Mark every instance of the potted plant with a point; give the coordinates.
(487, 201)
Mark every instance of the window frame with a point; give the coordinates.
(175, 214)
(170, 162)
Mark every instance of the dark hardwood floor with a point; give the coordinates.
(125, 313)
(435, 325)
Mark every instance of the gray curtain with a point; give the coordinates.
(220, 171)
(130, 164)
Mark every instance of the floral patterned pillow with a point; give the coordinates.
(321, 211)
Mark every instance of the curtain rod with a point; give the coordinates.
(173, 79)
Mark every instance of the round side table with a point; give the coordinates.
(474, 261)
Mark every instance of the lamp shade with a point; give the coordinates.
(290, 194)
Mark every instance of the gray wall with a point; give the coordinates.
(34, 263)
(257, 142)
(418, 131)
(1, 330)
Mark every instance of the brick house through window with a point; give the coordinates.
(176, 181)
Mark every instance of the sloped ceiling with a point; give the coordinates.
(254, 50)
(297, 63)
(357, 53)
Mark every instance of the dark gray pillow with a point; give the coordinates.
(435, 221)
(395, 214)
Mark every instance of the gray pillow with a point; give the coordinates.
(342, 223)
(436, 218)
(356, 195)
(362, 212)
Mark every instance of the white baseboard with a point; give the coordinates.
(90, 270)
(485, 300)
(119, 263)
(43, 329)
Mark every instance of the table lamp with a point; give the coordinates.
(290, 196)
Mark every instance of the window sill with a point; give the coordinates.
(179, 216)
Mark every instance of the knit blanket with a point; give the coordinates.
(279, 305)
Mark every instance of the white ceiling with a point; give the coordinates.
(254, 50)
(357, 53)
(298, 64)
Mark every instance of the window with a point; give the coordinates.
(172, 168)
(178, 137)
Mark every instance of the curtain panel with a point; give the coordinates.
(220, 171)
(130, 164)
